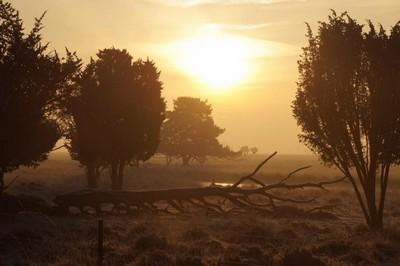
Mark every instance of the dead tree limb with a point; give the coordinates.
(221, 200)
(249, 177)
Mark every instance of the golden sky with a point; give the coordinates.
(239, 54)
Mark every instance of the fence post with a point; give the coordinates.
(100, 242)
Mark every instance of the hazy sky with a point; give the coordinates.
(265, 35)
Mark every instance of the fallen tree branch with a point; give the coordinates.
(254, 172)
(293, 172)
(221, 200)
(10, 183)
(59, 147)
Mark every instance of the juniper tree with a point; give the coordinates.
(31, 81)
(117, 113)
(347, 105)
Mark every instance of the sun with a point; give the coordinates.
(219, 61)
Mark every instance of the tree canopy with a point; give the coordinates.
(32, 80)
(117, 113)
(347, 104)
(189, 132)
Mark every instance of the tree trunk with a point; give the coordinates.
(121, 175)
(375, 221)
(185, 160)
(114, 176)
(92, 175)
(97, 172)
(168, 160)
(1, 182)
(384, 181)
(117, 175)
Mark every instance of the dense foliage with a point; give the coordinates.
(32, 81)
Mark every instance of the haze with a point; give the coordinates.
(183, 37)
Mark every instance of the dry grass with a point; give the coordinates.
(198, 240)
(251, 239)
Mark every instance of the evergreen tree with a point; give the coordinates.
(32, 80)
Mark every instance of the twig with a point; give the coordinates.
(293, 172)
(324, 207)
(320, 185)
(255, 171)
(11, 182)
(60, 147)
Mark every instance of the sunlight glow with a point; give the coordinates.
(218, 60)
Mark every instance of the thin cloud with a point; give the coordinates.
(240, 26)
(189, 3)
(245, 27)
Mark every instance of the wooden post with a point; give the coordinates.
(100, 242)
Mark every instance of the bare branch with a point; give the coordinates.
(324, 207)
(255, 170)
(60, 147)
(293, 172)
(11, 182)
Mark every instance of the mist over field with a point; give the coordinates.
(59, 169)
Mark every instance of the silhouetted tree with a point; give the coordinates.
(85, 138)
(254, 150)
(189, 132)
(347, 105)
(32, 81)
(117, 114)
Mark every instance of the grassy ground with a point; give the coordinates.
(33, 239)
(30, 238)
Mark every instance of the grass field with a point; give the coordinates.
(29, 238)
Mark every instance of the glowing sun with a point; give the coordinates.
(220, 61)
